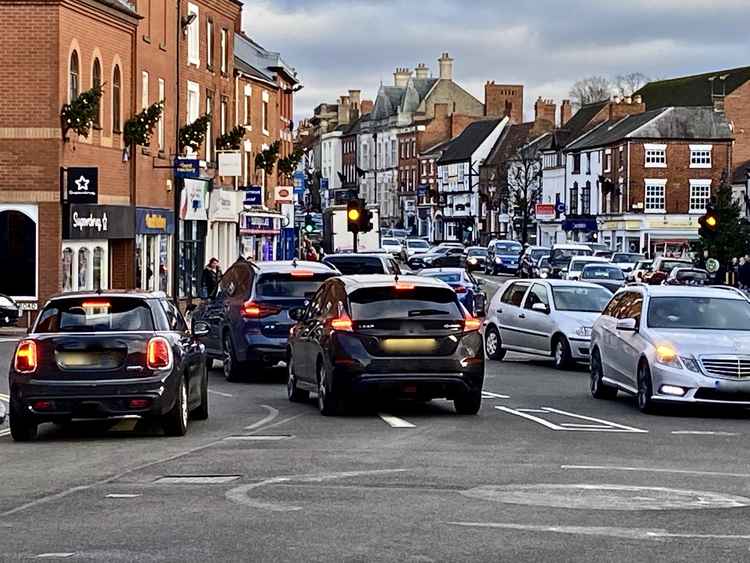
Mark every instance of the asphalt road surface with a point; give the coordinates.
(543, 473)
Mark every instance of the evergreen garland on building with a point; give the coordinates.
(193, 134)
(138, 129)
(79, 114)
(231, 140)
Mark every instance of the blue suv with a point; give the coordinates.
(249, 317)
(503, 256)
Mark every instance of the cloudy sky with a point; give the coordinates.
(546, 45)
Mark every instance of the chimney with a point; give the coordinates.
(366, 107)
(619, 108)
(401, 77)
(422, 71)
(566, 112)
(345, 108)
(545, 110)
(355, 97)
(638, 99)
(446, 67)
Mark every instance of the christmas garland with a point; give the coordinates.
(288, 164)
(79, 114)
(266, 160)
(193, 134)
(231, 140)
(138, 129)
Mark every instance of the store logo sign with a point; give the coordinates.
(154, 221)
(83, 184)
(90, 222)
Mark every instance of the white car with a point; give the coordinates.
(414, 246)
(626, 261)
(577, 264)
(392, 246)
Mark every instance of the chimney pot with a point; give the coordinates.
(446, 67)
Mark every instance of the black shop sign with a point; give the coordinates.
(83, 185)
(87, 222)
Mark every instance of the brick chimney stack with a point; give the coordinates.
(620, 107)
(566, 112)
(401, 77)
(345, 110)
(545, 110)
(501, 100)
(422, 71)
(446, 67)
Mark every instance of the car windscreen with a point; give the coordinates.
(592, 272)
(477, 252)
(390, 303)
(281, 286)
(391, 242)
(538, 253)
(508, 248)
(700, 313)
(354, 265)
(563, 255)
(417, 244)
(585, 299)
(621, 258)
(95, 314)
(669, 265)
(544, 262)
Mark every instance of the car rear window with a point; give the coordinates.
(391, 303)
(477, 252)
(353, 265)
(447, 278)
(289, 286)
(669, 265)
(95, 314)
(390, 241)
(417, 244)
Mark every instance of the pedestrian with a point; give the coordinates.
(210, 279)
(744, 272)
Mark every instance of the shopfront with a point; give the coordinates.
(223, 219)
(193, 229)
(259, 232)
(154, 230)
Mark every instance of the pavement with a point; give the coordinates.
(543, 473)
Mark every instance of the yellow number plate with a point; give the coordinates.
(409, 345)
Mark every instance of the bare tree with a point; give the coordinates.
(590, 90)
(628, 84)
(525, 185)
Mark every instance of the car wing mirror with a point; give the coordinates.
(200, 329)
(541, 308)
(480, 306)
(627, 325)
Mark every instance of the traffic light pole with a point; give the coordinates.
(355, 241)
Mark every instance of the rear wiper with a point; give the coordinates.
(425, 312)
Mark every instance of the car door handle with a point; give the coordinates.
(521, 316)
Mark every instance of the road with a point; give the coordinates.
(543, 473)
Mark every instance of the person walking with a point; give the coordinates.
(744, 272)
(210, 279)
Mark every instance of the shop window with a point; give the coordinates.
(192, 257)
(98, 267)
(83, 268)
(67, 269)
(18, 250)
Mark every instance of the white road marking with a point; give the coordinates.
(122, 495)
(5, 432)
(538, 411)
(704, 433)
(490, 395)
(395, 422)
(14, 339)
(272, 413)
(4, 397)
(260, 438)
(654, 470)
(599, 420)
(599, 426)
(627, 533)
(220, 394)
(60, 555)
(530, 417)
(196, 480)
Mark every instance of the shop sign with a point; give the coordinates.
(187, 168)
(545, 211)
(287, 211)
(230, 164)
(152, 221)
(194, 201)
(100, 222)
(83, 185)
(27, 305)
(586, 225)
(560, 207)
(226, 205)
(283, 194)
(253, 195)
(299, 183)
(254, 225)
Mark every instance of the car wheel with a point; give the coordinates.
(562, 355)
(327, 402)
(599, 389)
(468, 403)
(201, 412)
(294, 394)
(492, 344)
(645, 390)
(232, 367)
(22, 427)
(176, 420)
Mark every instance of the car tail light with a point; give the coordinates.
(159, 353)
(253, 310)
(402, 286)
(302, 274)
(472, 324)
(139, 403)
(343, 323)
(42, 405)
(26, 358)
(459, 289)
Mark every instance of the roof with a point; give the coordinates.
(463, 146)
(121, 6)
(581, 119)
(509, 142)
(687, 291)
(381, 280)
(387, 103)
(695, 90)
(436, 151)
(263, 60)
(699, 123)
(251, 71)
(287, 267)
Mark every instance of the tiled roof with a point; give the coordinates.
(463, 146)
(693, 90)
(509, 142)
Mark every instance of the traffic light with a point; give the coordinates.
(309, 224)
(366, 225)
(355, 213)
(709, 223)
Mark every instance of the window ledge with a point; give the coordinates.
(655, 211)
(117, 132)
(697, 212)
(147, 38)
(704, 166)
(146, 151)
(163, 46)
(96, 127)
(655, 166)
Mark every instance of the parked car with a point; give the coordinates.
(605, 275)
(688, 276)
(375, 335)
(392, 246)
(9, 310)
(352, 264)
(108, 354)
(414, 246)
(550, 318)
(562, 254)
(451, 245)
(476, 258)
(576, 265)
(467, 287)
(530, 260)
(673, 344)
(249, 317)
(503, 256)
(639, 270)
(626, 261)
(661, 268)
(542, 268)
(441, 257)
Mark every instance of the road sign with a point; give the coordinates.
(712, 265)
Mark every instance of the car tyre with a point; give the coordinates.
(328, 403)
(294, 393)
(645, 390)
(22, 427)
(232, 367)
(175, 422)
(201, 412)
(561, 353)
(493, 345)
(599, 389)
(468, 403)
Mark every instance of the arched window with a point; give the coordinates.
(96, 82)
(75, 76)
(116, 99)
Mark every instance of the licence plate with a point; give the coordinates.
(100, 360)
(409, 345)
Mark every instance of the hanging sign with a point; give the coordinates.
(83, 185)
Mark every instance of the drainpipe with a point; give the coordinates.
(177, 185)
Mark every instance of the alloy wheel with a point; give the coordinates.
(491, 343)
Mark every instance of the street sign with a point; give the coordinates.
(545, 211)
(253, 195)
(187, 168)
(712, 265)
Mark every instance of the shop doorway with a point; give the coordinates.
(85, 265)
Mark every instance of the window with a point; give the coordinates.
(577, 163)
(193, 37)
(248, 106)
(586, 199)
(588, 163)
(224, 45)
(144, 89)
(514, 294)
(414, 148)
(574, 199)
(160, 125)
(116, 83)
(608, 160)
(621, 158)
(223, 116)
(96, 82)
(209, 127)
(538, 294)
(654, 200)
(210, 43)
(394, 156)
(700, 156)
(264, 115)
(700, 194)
(75, 76)
(656, 156)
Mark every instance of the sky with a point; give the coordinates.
(338, 45)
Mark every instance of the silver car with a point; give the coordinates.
(544, 317)
(673, 344)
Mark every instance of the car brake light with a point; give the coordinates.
(253, 310)
(26, 359)
(96, 304)
(302, 274)
(472, 324)
(343, 323)
(402, 286)
(459, 289)
(159, 353)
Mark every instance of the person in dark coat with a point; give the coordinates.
(744, 272)
(210, 279)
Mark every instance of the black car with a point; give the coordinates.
(355, 264)
(249, 317)
(476, 258)
(9, 310)
(530, 260)
(378, 335)
(108, 355)
(441, 257)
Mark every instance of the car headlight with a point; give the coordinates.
(690, 364)
(472, 260)
(498, 260)
(667, 355)
(584, 331)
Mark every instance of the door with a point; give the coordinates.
(538, 325)
(304, 362)
(508, 314)
(631, 343)
(195, 367)
(608, 337)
